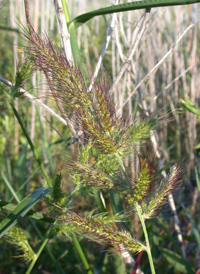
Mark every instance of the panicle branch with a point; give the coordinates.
(103, 231)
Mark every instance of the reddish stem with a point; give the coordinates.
(137, 262)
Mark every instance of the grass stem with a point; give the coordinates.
(81, 254)
(35, 153)
(148, 249)
(37, 255)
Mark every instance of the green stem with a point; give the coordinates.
(50, 161)
(31, 145)
(99, 202)
(139, 212)
(23, 185)
(81, 254)
(148, 249)
(73, 40)
(76, 242)
(72, 32)
(119, 159)
(44, 245)
(37, 255)
(51, 256)
(76, 189)
(10, 187)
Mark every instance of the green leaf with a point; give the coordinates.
(190, 106)
(197, 146)
(197, 177)
(6, 28)
(21, 209)
(180, 265)
(194, 227)
(168, 234)
(32, 213)
(81, 19)
(119, 264)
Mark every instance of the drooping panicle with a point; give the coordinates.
(94, 112)
(102, 230)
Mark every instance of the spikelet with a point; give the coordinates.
(142, 184)
(56, 193)
(17, 237)
(90, 176)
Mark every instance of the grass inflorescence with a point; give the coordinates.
(107, 140)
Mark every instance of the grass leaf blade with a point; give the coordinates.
(81, 19)
(21, 209)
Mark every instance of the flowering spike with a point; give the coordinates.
(57, 194)
(161, 193)
(93, 111)
(103, 231)
(142, 184)
(90, 176)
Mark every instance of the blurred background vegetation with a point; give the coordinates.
(165, 90)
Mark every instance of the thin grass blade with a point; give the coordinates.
(190, 106)
(81, 19)
(177, 262)
(197, 178)
(21, 209)
(194, 227)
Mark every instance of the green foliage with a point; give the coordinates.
(192, 108)
(177, 262)
(22, 75)
(21, 209)
(194, 225)
(6, 50)
(197, 178)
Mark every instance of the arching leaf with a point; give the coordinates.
(21, 209)
(81, 19)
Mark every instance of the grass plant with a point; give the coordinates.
(97, 171)
(108, 141)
